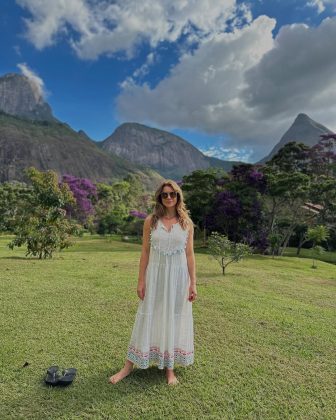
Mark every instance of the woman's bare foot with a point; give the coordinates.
(126, 370)
(171, 378)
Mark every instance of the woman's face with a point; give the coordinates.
(168, 201)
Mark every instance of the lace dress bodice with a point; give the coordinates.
(168, 242)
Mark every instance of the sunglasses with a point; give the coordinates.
(172, 194)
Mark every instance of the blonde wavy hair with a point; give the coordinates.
(159, 209)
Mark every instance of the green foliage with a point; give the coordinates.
(226, 251)
(286, 194)
(275, 241)
(200, 189)
(112, 207)
(41, 221)
(292, 157)
(115, 202)
(318, 234)
(12, 195)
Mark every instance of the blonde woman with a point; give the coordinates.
(163, 328)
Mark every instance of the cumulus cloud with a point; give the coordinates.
(204, 90)
(35, 81)
(320, 5)
(298, 73)
(104, 27)
(245, 84)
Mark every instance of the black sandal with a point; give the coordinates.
(53, 375)
(57, 376)
(68, 377)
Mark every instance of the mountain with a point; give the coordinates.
(31, 136)
(55, 146)
(303, 130)
(22, 97)
(168, 154)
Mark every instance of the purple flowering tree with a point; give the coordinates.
(138, 214)
(322, 156)
(85, 194)
(237, 211)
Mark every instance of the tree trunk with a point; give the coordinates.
(285, 243)
(302, 241)
(298, 249)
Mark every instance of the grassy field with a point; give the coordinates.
(327, 256)
(264, 338)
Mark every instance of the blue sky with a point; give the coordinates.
(228, 76)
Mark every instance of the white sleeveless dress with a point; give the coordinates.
(163, 328)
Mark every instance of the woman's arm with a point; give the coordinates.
(191, 265)
(144, 258)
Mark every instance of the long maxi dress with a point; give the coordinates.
(163, 328)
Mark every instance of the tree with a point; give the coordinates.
(292, 157)
(41, 221)
(115, 202)
(12, 194)
(322, 156)
(200, 188)
(85, 194)
(317, 235)
(226, 251)
(286, 193)
(238, 209)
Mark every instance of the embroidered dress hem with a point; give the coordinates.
(162, 360)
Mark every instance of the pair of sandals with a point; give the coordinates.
(60, 377)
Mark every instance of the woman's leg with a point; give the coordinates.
(171, 378)
(126, 370)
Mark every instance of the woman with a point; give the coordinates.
(163, 328)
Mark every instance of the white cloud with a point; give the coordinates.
(144, 69)
(204, 90)
(233, 153)
(104, 27)
(244, 84)
(36, 82)
(320, 5)
(297, 74)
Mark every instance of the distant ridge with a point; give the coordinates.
(170, 155)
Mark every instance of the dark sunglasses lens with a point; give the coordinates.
(171, 194)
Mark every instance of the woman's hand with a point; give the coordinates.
(141, 290)
(192, 293)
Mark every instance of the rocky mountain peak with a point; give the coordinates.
(302, 118)
(22, 97)
(165, 152)
(303, 130)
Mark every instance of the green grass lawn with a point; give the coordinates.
(264, 338)
(327, 256)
